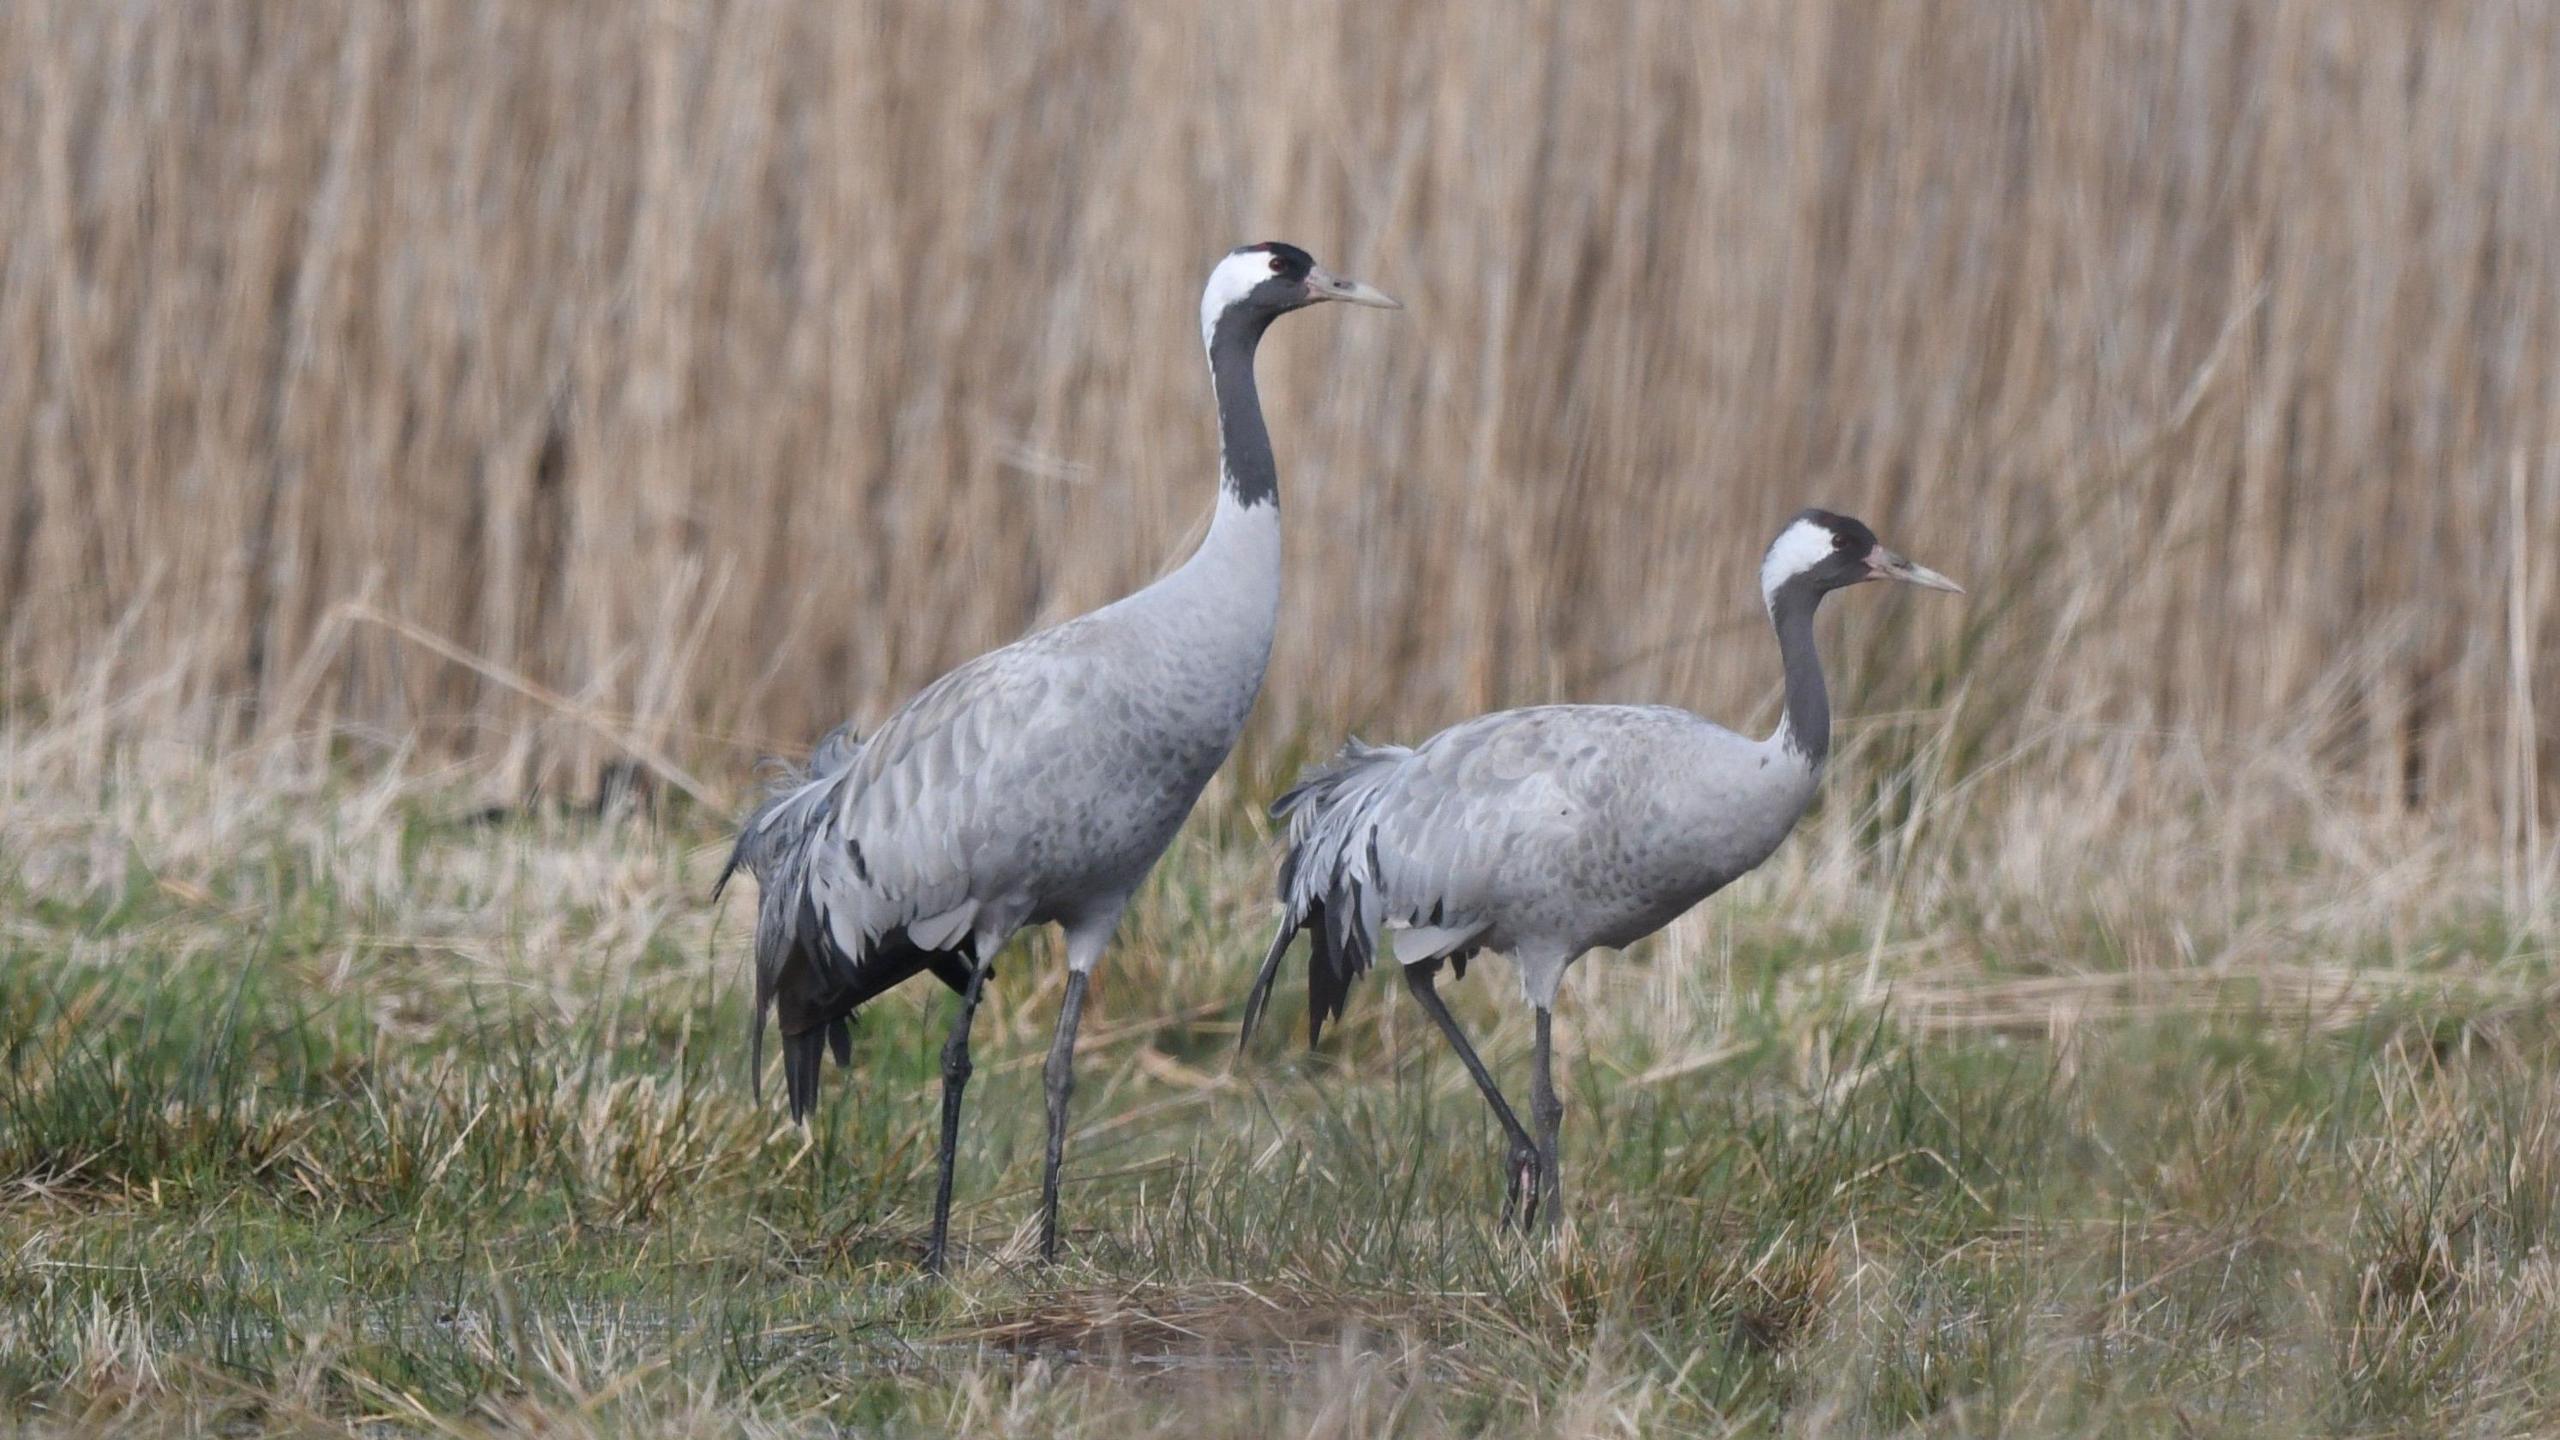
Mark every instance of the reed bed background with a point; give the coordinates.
(411, 412)
(552, 382)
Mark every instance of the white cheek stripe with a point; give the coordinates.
(1234, 279)
(1799, 548)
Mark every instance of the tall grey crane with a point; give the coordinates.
(1036, 784)
(1544, 833)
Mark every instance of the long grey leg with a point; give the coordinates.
(1520, 1177)
(1550, 1116)
(955, 1079)
(1061, 1077)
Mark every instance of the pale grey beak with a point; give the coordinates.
(1323, 284)
(1885, 565)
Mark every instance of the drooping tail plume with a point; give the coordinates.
(1328, 881)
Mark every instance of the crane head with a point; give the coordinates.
(1256, 284)
(1820, 551)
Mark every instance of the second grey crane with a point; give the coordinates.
(1037, 783)
(1545, 833)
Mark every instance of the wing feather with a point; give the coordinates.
(880, 860)
(1439, 844)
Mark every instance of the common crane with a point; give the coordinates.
(1037, 783)
(1544, 833)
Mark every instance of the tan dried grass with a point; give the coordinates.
(679, 379)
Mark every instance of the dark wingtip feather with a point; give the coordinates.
(840, 1040)
(1325, 983)
(800, 1056)
(1261, 995)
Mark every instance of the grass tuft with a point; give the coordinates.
(319, 1117)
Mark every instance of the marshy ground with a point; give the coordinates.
(327, 1106)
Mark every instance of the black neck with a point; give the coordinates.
(1246, 468)
(1808, 723)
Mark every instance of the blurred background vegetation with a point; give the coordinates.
(555, 383)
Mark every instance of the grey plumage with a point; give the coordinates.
(1545, 833)
(1034, 784)
(778, 845)
(1538, 834)
(1037, 783)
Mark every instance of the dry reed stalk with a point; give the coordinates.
(2222, 340)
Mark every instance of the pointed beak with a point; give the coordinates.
(1885, 565)
(1323, 284)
